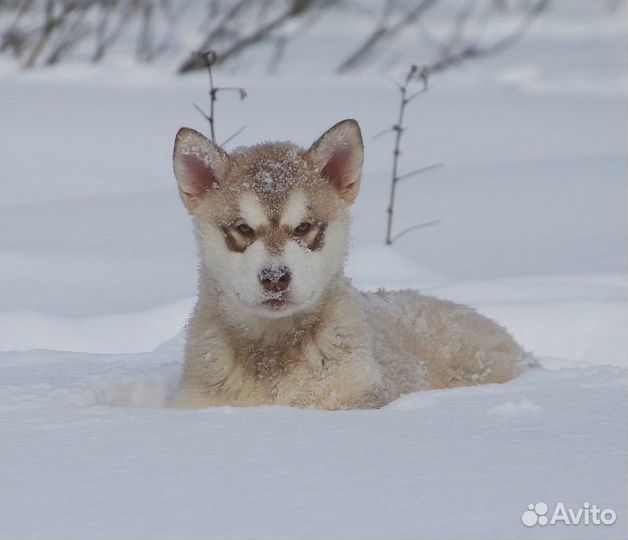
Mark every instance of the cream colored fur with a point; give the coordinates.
(330, 346)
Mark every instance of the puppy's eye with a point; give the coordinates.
(245, 230)
(303, 228)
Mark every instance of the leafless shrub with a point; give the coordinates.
(49, 31)
(209, 59)
(465, 41)
(415, 83)
(386, 28)
(233, 37)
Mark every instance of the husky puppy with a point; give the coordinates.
(276, 321)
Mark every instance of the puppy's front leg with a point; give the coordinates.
(345, 374)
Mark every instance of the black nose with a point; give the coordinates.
(275, 278)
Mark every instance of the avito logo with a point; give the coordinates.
(587, 514)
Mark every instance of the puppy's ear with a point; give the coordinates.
(338, 157)
(200, 166)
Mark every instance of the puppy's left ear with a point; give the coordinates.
(338, 157)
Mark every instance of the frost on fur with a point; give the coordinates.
(277, 322)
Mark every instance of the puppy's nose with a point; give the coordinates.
(275, 278)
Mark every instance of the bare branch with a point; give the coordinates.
(415, 75)
(209, 58)
(50, 29)
(414, 228)
(233, 136)
(381, 33)
(202, 112)
(416, 94)
(383, 132)
(475, 50)
(296, 9)
(50, 25)
(420, 171)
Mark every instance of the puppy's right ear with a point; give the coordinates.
(200, 166)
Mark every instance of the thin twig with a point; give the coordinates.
(383, 132)
(212, 93)
(416, 94)
(414, 75)
(414, 227)
(233, 136)
(209, 58)
(419, 171)
(202, 112)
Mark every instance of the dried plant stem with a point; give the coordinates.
(212, 102)
(398, 128)
(209, 59)
(414, 75)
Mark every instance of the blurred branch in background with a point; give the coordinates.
(266, 27)
(463, 39)
(46, 32)
(459, 47)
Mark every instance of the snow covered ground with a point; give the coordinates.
(98, 270)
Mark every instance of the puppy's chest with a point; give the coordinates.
(264, 360)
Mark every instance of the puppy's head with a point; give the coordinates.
(271, 220)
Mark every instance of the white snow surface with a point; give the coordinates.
(98, 275)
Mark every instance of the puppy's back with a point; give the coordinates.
(421, 342)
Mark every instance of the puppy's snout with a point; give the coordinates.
(275, 278)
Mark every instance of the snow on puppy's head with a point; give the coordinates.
(271, 219)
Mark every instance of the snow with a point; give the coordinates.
(81, 461)
(98, 275)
